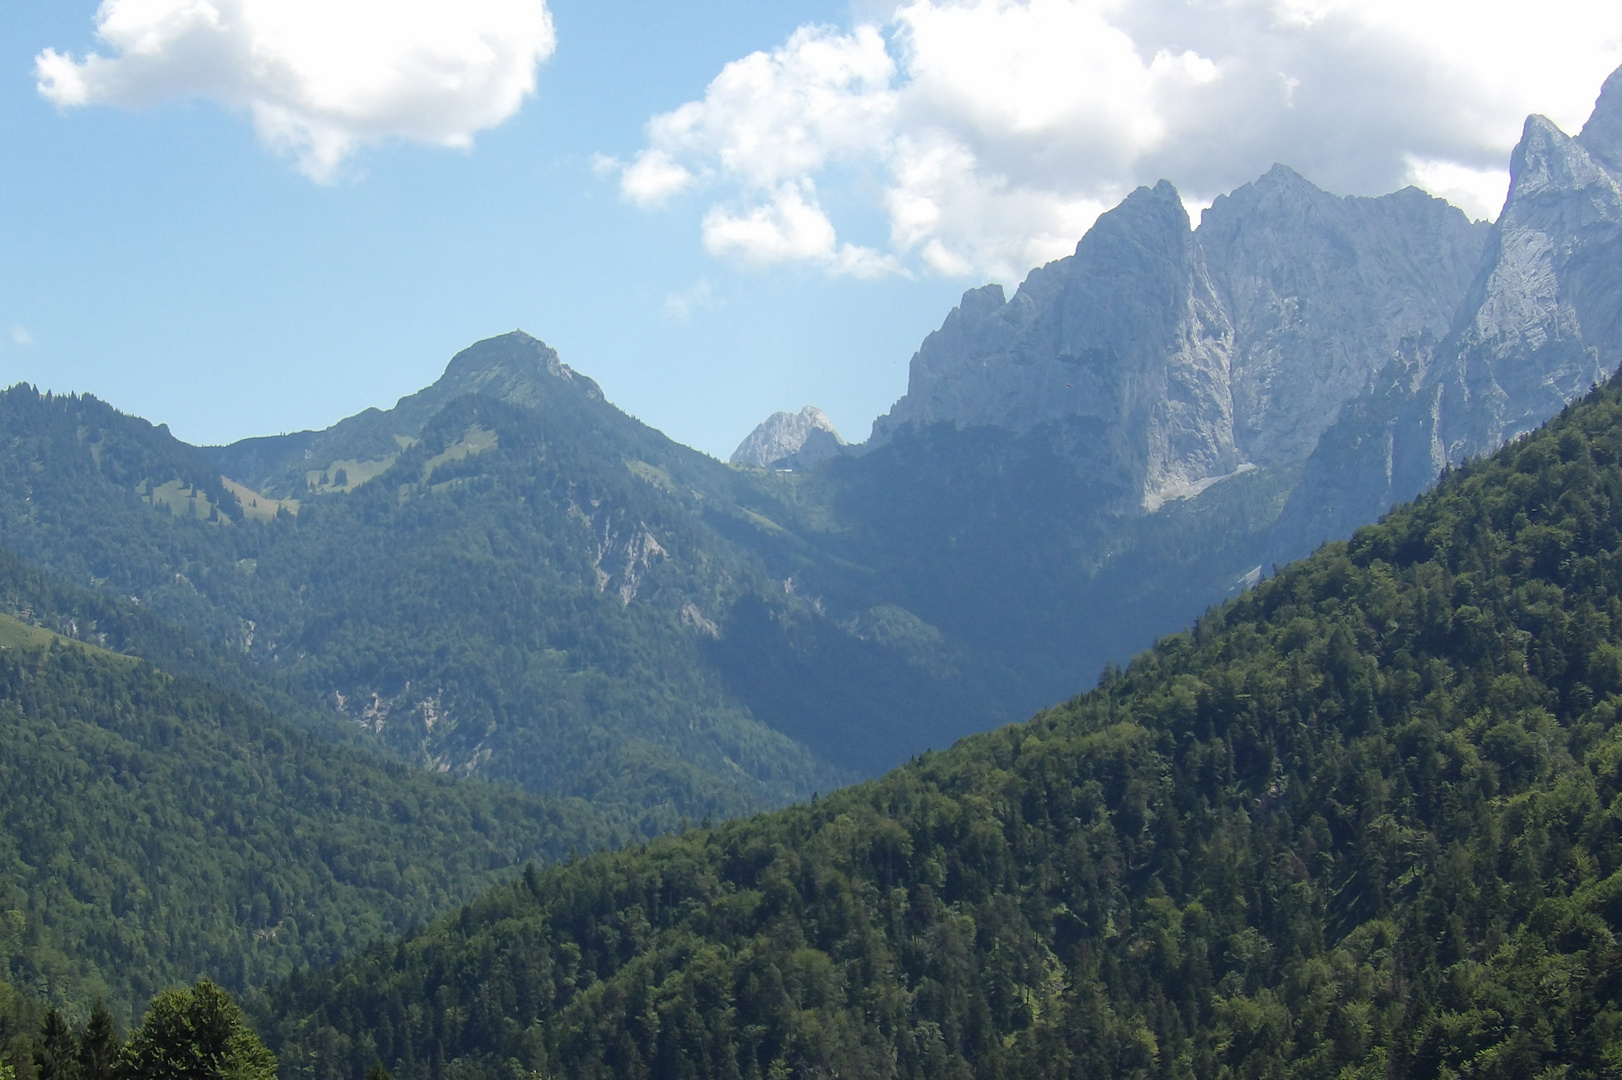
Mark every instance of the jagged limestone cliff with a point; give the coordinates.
(1542, 323)
(1365, 343)
(1167, 358)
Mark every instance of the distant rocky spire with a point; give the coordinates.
(790, 441)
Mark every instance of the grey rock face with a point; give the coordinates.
(1165, 359)
(1542, 323)
(1122, 350)
(1602, 135)
(1321, 291)
(790, 441)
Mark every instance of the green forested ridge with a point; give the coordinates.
(516, 580)
(154, 828)
(543, 586)
(525, 592)
(1362, 821)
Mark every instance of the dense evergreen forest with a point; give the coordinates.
(119, 625)
(1362, 821)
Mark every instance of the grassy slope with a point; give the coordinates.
(1362, 821)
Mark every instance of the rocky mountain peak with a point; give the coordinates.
(1548, 161)
(1116, 352)
(1165, 358)
(790, 441)
(1541, 323)
(514, 367)
(1279, 183)
(1602, 135)
(1322, 289)
(1150, 214)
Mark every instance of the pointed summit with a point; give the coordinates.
(1602, 135)
(1155, 216)
(790, 441)
(1547, 172)
(514, 367)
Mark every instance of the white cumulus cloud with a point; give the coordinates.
(790, 226)
(320, 77)
(988, 134)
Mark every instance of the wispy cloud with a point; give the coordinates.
(21, 336)
(990, 133)
(681, 305)
(319, 77)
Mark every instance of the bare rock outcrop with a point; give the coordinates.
(1541, 324)
(1162, 358)
(790, 441)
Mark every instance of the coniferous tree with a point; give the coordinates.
(99, 1045)
(57, 1055)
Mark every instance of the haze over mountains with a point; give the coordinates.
(506, 579)
(1360, 822)
(505, 576)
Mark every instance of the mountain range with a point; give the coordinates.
(1361, 821)
(590, 634)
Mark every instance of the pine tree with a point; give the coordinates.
(57, 1054)
(99, 1045)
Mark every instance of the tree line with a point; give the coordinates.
(187, 1033)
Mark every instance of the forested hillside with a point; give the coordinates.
(155, 829)
(40, 599)
(1360, 821)
(504, 576)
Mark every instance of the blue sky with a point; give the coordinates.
(786, 239)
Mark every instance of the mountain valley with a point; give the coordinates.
(402, 730)
(1360, 821)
